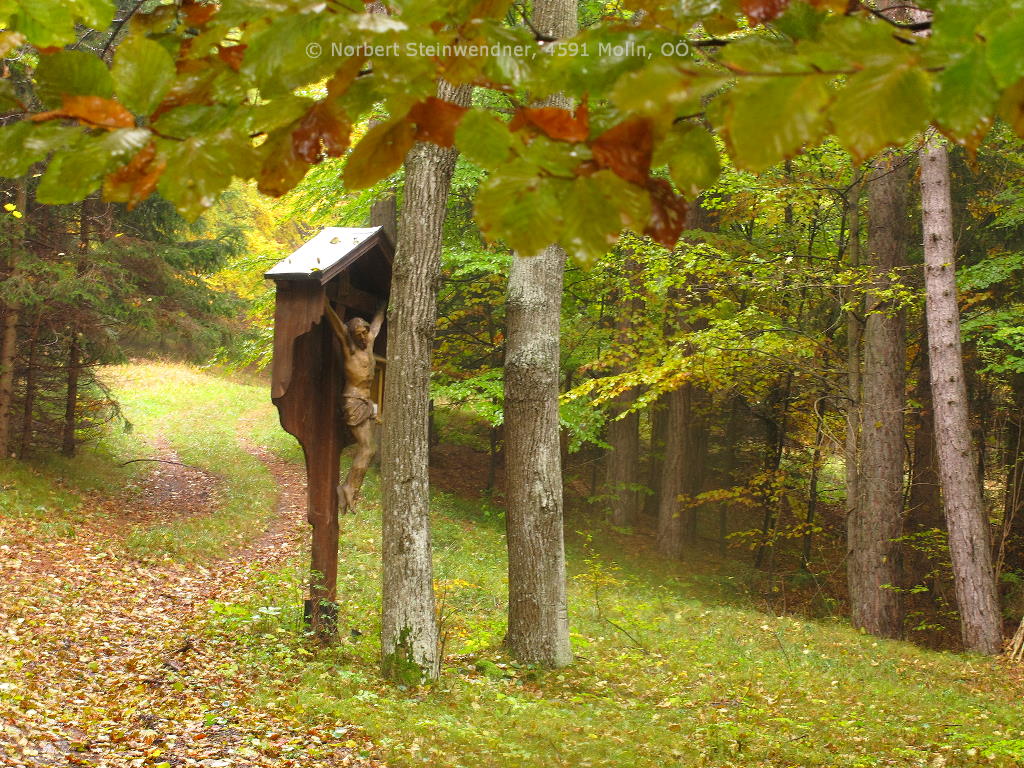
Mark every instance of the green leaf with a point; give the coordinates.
(692, 158)
(758, 54)
(74, 73)
(768, 120)
(520, 207)
(556, 157)
(182, 122)
(46, 23)
(279, 58)
(97, 14)
(597, 209)
(880, 107)
(1005, 52)
(483, 138)
(143, 72)
(24, 143)
(662, 88)
(847, 43)
(265, 118)
(965, 97)
(201, 167)
(75, 172)
(51, 23)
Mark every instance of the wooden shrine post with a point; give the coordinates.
(350, 268)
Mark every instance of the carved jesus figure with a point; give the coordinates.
(360, 412)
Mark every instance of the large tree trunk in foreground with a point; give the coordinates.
(969, 544)
(409, 634)
(538, 623)
(874, 524)
(538, 616)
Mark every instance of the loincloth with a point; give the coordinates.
(357, 409)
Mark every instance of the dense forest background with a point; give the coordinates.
(729, 355)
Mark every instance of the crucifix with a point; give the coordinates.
(330, 343)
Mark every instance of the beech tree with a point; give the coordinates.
(409, 641)
(538, 614)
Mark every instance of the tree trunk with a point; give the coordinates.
(71, 396)
(696, 453)
(9, 330)
(969, 545)
(622, 462)
(854, 332)
(74, 353)
(812, 492)
(29, 402)
(409, 635)
(538, 626)
(924, 504)
(538, 616)
(657, 415)
(874, 525)
(671, 530)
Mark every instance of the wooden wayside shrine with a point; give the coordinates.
(350, 268)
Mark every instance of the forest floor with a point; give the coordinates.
(105, 664)
(150, 616)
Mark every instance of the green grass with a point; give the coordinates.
(44, 496)
(674, 664)
(199, 416)
(674, 667)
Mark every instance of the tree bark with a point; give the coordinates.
(622, 462)
(74, 353)
(538, 616)
(409, 634)
(671, 529)
(538, 625)
(9, 331)
(875, 524)
(657, 416)
(969, 544)
(854, 333)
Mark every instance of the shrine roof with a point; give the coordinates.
(331, 251)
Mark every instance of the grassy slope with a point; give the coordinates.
(674, 665)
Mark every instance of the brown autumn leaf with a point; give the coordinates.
(436, 120)
(762, 11)
(91, 110)
(668, 213)
(488, 9)
(379, 153)
(324, 128)
(194, 84)
(232, 55)
(134, 182)
(555, 122)
(626, 149)
(282, 167)
(196, 13)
